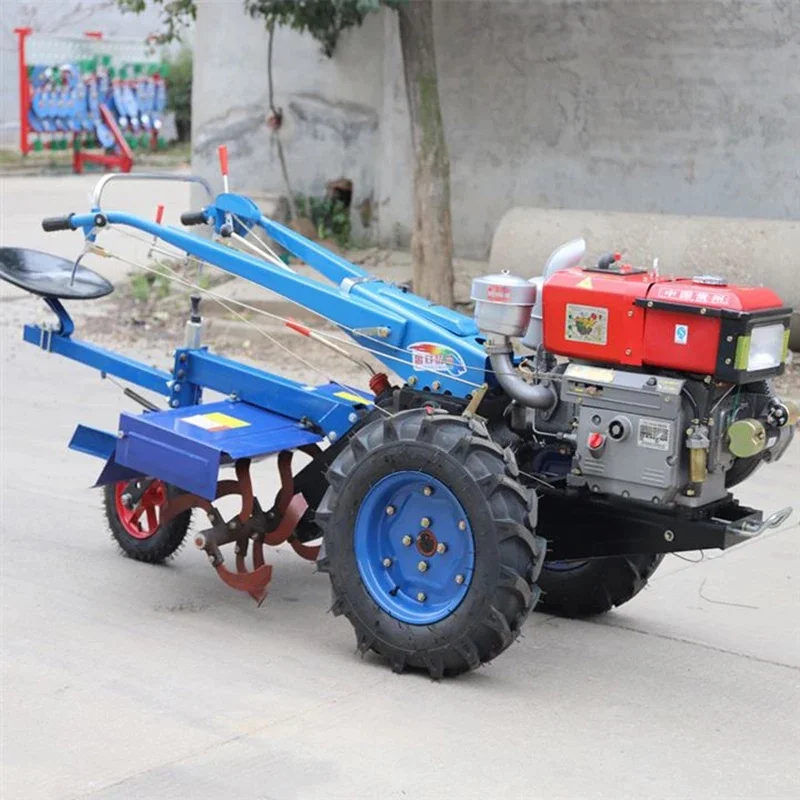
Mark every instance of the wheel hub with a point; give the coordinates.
(421, 584)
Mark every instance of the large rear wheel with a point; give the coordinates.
(428, 542)
(594, 586)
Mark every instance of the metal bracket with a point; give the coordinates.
(347, 284)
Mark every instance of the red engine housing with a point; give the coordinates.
(630, 317)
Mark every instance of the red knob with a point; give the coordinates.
(595, 441)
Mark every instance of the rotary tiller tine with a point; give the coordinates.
(254, 583)
(308, 552)
(286, 491)
(296, 508)
(183, 502)
(246, 488)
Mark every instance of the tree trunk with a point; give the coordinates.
(432, 237)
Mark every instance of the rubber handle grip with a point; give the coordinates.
(51, 224)
(193, 218)
(222, 151)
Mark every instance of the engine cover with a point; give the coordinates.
(618, 315)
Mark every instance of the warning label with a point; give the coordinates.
(655, 434)
(216, 421)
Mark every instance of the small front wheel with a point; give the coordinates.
(429, 543)
(136, 525)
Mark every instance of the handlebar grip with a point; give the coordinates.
(51, 224)
(193, 218)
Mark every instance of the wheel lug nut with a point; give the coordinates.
(459, 579)
(427, 491)
(389, 510)
(462, 526)
(441, 548)
(422, 566)
(406, 540)
(387, 562)
(422, 597)
(425, 522)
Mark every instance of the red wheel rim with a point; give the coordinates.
(143, 519)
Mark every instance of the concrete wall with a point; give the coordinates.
(64, 18)
(676, 106)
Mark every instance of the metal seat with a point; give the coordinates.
(50, 276)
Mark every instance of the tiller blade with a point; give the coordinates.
(251, 525)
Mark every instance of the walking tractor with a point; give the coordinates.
(551, 450)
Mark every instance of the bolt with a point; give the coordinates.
(181, 373)
(412, 381)
(441, 548)
(669, 536)
(387, 562)
(729, 338)
(690, 492)
(389, 511)
(703, 310)
(630, 313)
(406, 540)
(649, 303)
(422, 566)
(462, 525)
(182, 358)
(422, 597)
(425, 522)
(459, 579)
(427, 491)
(176, 387)
(200, 541)
(120, 435)
(727, 361)
(352, 417)
(628, 351)
(689, 431)
(237, 549)
(232, 525)
(436, 386)
(175, 403)
(332, 437)
(576, 471)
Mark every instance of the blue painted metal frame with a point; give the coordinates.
(414, 338)
(431, 343)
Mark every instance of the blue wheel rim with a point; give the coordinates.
(407, 519)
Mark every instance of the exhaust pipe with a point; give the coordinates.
(533, 395)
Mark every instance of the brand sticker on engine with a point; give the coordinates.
(655, 434)
(433, 357)
(681, 334)
(586, 324)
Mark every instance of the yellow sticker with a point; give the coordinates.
(353, 398)
(216, 421)
(586, 283)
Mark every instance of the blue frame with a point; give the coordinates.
(426, 345)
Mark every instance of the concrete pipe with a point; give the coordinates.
(747, 251)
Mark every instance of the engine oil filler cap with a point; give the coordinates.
(710, 280)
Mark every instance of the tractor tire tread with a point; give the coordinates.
(497, 620)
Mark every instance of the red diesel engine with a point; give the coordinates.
(638, 386)
(615, 314)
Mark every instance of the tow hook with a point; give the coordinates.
(754, 525)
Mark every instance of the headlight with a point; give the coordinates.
(763, 348)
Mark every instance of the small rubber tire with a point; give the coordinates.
(595, 586)
(155, 549)
(501, 513)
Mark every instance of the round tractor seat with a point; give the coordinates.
(50, 276)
